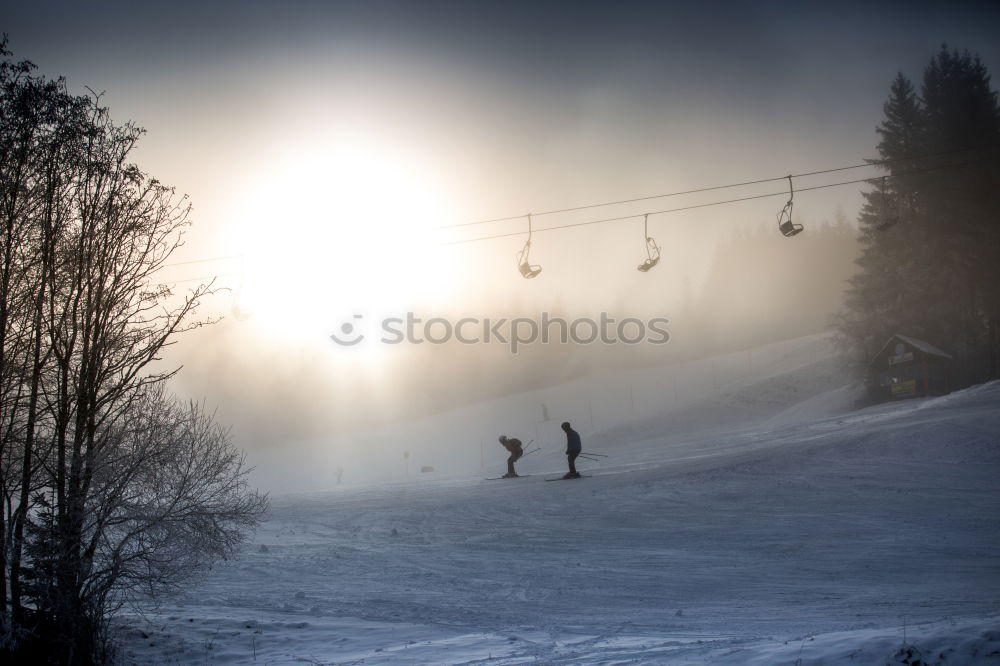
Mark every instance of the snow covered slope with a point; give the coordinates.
(812, 533)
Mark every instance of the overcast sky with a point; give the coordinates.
(503, 86)
(513, 106)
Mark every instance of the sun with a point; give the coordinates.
(335, 228)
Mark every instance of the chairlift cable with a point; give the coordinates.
(205, 260)
(196, 279)
(867, 163)
(634, 216)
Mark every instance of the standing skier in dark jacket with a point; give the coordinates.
(573, 448)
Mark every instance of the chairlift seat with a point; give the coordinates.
(789, 229)
(529, 271)
(890, 218)
(652, 249)
(524, 265)
(649, 263)
(785, 224)
(240, 314)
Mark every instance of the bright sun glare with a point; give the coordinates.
(334, 229)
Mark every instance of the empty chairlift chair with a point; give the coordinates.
(785, 224)
(524, 265)
(652, 249)
(889, 214)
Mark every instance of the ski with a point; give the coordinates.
(562, 478)
(497, 478)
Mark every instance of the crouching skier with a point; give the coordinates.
(516, 451)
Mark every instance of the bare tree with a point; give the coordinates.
(108, 485)
(33, 136)
(168, 496)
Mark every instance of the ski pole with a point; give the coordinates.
(599, 455)
(531, 451)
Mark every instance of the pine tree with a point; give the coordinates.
(883, 287)
(933, 274)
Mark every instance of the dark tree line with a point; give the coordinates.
(109, 487)
(930, 230)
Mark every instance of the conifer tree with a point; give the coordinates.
(879, 292)
(933, 274)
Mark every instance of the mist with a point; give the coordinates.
(478, 113)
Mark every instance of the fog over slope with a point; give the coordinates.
(789, 527)
(661, 404)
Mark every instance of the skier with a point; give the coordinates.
(516, 451)
(573, 448)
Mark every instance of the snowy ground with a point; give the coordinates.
(813, 534)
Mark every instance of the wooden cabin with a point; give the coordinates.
(908, 368)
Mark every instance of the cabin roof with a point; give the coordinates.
(922, 345)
